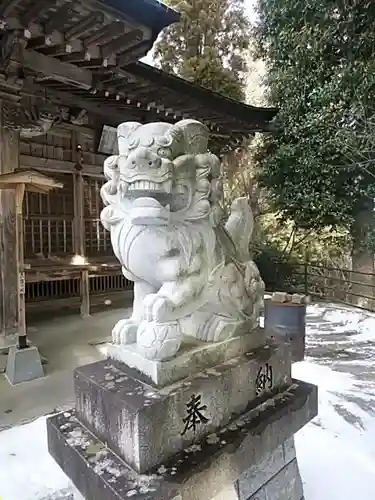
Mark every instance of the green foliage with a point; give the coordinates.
(279, 271)
(321, 74)
(284, 248)
(327, 245)
(207, 46)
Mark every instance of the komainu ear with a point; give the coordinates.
(195, 136)
(124, 131)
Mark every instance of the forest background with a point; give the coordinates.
(311, 180)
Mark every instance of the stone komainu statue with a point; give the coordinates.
(192, 274)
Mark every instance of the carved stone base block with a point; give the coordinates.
(145, 425)
(194, 356)
(251, 457)
(23, 365)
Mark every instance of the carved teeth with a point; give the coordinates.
(149, 186)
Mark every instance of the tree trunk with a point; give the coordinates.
(362, 275)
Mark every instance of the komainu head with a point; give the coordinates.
(165, 162)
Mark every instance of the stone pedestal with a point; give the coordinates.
(224, 432)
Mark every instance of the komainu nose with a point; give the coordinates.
(144, 159)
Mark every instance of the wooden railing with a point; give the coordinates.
(324, 282)
(70, 288)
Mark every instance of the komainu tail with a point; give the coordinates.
(240, 227)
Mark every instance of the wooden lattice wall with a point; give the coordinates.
(97, 240)
(49, 219)
(66, 222)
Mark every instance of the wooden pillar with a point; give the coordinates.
(21, 307)
(79, 223)
(85, 294)
(9, 265)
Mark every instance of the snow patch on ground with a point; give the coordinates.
(345, 319)
(336, 451)
(333, 468)
(362, 322)
(27, 471)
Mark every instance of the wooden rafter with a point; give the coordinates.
(106, 33)
(8, 6)
(81, 28)
(58, 18)
(36, 10)
(57, 70)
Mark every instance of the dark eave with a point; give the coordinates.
(148, 12)
(255, 119)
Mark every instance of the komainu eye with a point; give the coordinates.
(165, 152)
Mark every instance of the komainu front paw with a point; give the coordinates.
(125, 332)
(156, 308)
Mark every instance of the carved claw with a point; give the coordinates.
(155, 307)
(125, 332)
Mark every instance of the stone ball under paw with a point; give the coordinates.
(159, 341)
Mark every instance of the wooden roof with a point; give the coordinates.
(69, 28)
(84, 54)
(143, 93)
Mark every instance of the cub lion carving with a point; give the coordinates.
(192, 274)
